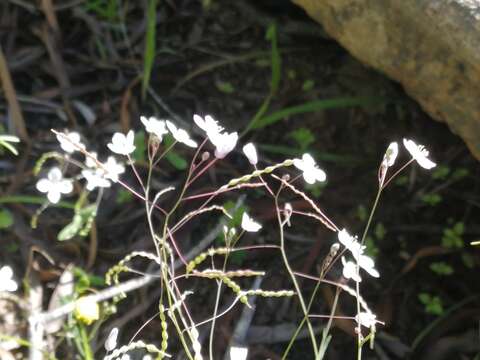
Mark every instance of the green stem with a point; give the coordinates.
(362, 241)
(87, 350)
(294, 280)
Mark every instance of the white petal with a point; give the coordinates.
(10, 285)
(43, 185)
(251, 153)
(419, 153)
(238, 353)
(53, 196)
(55, 174)
(391, 154)
(248, 224)
(426, 163)
(320, 175)
(111, 342)
(6, 273)
(366, 319)
(65, 186)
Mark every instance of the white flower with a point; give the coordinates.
(419, 153)
(54, 185)
(207, 124)
(390, 155)
(6, 279)
(248, 224)
(147, 357)
(68, 142)
(89, 160)
(154, 126)
(311, 172)
(181, 135)
(367, 264)
(224, 143)
(351, 243)
(350, 270)
(238, 353)
(366, 319)
(125, 357)
(122, 144)
(113, 168)
(95, 178)
(111, 342)
(251, 153)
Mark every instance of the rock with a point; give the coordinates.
(432, 47)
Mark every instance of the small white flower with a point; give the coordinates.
(54, 185)
(391, 154)
(154, 126)
(238, 353)
(248, 224)
(350, 270)
(207, 124)
(6, 279)
(366, 319)
(122, 144)
(181, 135)
(125, 357)
(367, 264)
(351, 243)
(113, 168)
(251, 153)
(147, 357)
(311, 172)
(224, 143)
(89, 160)
(68, 142)
(419, 153)
(111, 342)
(95, 178)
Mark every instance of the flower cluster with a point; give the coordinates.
(96, 173)
(361, 260)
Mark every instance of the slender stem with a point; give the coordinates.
(292, 276)
(85, 343)
(357, 284)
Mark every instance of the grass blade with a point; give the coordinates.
(149, 56)
(316, 105)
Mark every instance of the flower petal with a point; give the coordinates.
(43, 185)
(53, 195)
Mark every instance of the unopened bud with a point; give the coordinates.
(205, 156)
(287, 211)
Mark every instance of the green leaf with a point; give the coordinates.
(149, 44)
(380, 231)
(303, 137)
(316, 105)
(431, 199)
(176, 160)
(6, 218)
(275, 58)
(308, 85)
(172, 156)
(441, 172)
(433, 304)
(441, 268)
(80, 224)
(124, 196)
(140, 147)
(225, 87)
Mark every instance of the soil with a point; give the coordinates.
(78, 67)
